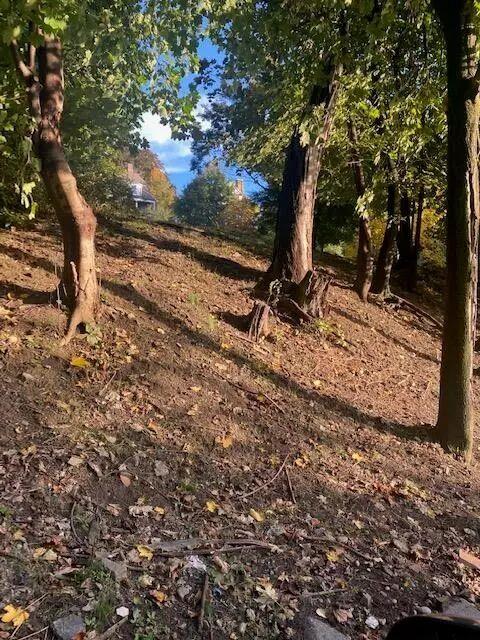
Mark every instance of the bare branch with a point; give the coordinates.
(22, 67)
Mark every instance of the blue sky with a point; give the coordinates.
(176, 155)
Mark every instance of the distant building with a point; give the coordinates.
(239, 189)
(141, 196)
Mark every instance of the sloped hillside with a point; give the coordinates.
(299, 470)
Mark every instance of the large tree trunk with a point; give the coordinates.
(76, 218)
(455, 415)
(292, 255)
(363, 281)
(388, 250)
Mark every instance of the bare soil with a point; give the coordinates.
(175, 426)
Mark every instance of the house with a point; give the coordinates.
(141, 196)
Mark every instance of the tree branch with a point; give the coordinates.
(22, 67)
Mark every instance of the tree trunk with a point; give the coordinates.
(455, 415)
(292, 256)
(363, 280)
(76, 218)
(388, 250)
(412, 278)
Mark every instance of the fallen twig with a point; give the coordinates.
(35, 633)
(252, 392)
(113, 629)
(290, 486)
(203, 602)
(265, 484)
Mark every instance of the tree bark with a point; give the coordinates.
(388, 250)
(292, 255)
(77, 221)
(412, 278)
(455, 413)
(363, 281)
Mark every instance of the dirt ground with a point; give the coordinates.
(300, 469)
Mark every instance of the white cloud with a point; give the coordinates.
(175, 154)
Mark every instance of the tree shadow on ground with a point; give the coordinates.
(26, 294)
(331, 404)
(217, 264)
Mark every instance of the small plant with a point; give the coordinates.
(330, 331)
(100, 580)
(94, 334)
(146, 624)
(193, 298)
(212, 322)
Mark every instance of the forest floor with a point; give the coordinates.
(299, 469)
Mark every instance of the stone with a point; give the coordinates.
(122, 612)
(372, 622)
(161, 469)
(461, 608)
(425, 611)
(314, 629)
(70, 627)
(117, 569)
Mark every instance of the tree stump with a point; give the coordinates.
(258, 320)
(303, 302)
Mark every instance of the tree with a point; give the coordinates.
(150, 167)
(365, 259)
(204, 200)
(125, 41)
(459, 22)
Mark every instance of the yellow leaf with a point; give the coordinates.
(333, 555)
(317, 383)
(211, 506)
(196, 389)
(259, 516)
(39, 552)
(225, 441)
(158, 596)
(144, 551)
(160, 511)
(357, 457)
(50, 555)
(78, 361)
(15, 615)
(225, 346)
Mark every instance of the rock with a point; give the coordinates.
(426, 611)
(161, 469)
(117, 569)
(460, 608)
(372, 622)
(122, 612)
(314, 629)
(69, 627)
(28, 376)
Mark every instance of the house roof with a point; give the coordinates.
(144, 195)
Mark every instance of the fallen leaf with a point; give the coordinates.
(158, 596)
(211, 506)
(225, 441)
(196, 389)
(321, 613)
(257, 515)
(160, 511)
(125, 480)
(39, 552)
(357, 457)
(78, 361)
(469, 559)
(144, 551)
(14, 615)
(75, 461)
(50, 556)
(334, 555)
(343, 615)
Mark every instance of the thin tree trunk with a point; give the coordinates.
(417, 243)
(363, 280)
(292, 256)
(76, 218)
(388, 250)
(455, 414)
